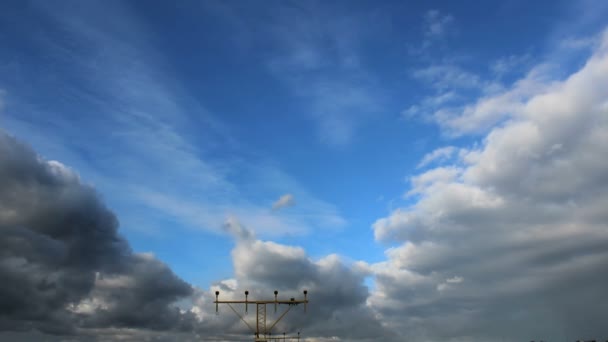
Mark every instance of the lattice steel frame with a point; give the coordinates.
(262, 331)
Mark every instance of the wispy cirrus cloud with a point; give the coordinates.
(508, 64)
(494, 98)
(460, 117)
(437, 24)
(137, 123)
(447, 76)
(440, 154)
(436, 27)
(318, 59)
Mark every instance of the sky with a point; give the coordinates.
(428, 171)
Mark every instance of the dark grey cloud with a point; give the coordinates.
(67, 272)
(63, 264)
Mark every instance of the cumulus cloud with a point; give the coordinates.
(63, 264)
(67, 271)
(491, 109)
(284, 201)
(338, 297)
(512, 240)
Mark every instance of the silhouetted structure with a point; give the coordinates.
(261, 332)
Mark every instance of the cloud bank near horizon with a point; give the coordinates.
(64, 264)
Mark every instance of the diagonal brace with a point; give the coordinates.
(280, 317)
(241, 317)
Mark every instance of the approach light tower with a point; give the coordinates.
(261, 331)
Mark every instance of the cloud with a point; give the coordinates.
(341, 106)
(436, 27)
(578, 43)
(236, 229)
(451, 85)
(511, 240)
(454, 280)
(449, 283)
(67, 271)
(212, 216)
(62, 262)
(494, 102)
(436, 24)
(491, 109)
(338, 297)
(466, 102)
(447, 76)
(173, 172)
(440, 154)
(508, 242)
(284, 201)
(507, 65)
(318, 58)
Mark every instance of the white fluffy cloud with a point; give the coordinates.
(512, 240)
(338, 297)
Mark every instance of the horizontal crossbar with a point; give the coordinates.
(261, 301)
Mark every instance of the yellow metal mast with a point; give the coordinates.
(261, 331)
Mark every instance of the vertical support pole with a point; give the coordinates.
(261, 327)
(217, 293)
(305, 300)
(264, 321)
(246, 303)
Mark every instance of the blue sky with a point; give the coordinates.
(189, 117)
(234, 105)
